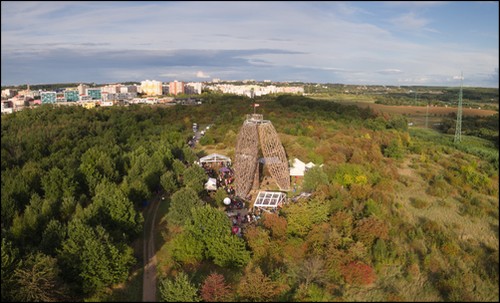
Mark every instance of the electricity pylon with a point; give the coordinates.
(458, 127)
(427, 116)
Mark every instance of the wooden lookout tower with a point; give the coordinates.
(255, 131)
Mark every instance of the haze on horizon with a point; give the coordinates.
(371, 43)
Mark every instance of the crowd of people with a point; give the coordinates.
(238, 214)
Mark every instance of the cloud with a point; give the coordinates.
(410, 21)
(200, 74)
(390, 71)
(416, 4)
(348, 42)
(105, 65)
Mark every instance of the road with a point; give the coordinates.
(149, 253)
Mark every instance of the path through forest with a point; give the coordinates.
(149, 276)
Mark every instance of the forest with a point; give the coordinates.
(396, 213)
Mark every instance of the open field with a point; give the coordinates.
(419, 110)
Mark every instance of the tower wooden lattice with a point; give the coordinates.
(255, 131)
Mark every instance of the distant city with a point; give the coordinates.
(148, 92)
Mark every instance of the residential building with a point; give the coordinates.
(176, 88)
(128, 89)
(166, 89)
(112, 89)
(193, 88)
(9, 92)
(94, 93)
(81, 89)
(84, 98)
(48, 97)
(152, 88)
(7, 107)
(60, 97)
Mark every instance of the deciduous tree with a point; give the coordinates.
(36, 279)
(215, 289)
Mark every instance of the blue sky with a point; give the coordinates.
(387, 43)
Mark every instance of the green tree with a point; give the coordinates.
(228, 250)
(186, 248)
(255, 286)
(27, 228)
(116, 212)
(195, 177)
(103, 263)
(313, 178)
(90, 258)
(68, 207)
(178, 167)
(219, 197)
(52, 237)
(258, 240)
(189, 155)
(181, 205)
(97, 164)
(212, 226)
(301, 217)
(168, 182)
(10, 257)
(179, 289)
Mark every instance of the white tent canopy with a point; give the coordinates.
(269, 199)
(213, 158)
(310, 165)
(211, 184)
(298, 168)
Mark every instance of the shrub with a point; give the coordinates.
(419, 203)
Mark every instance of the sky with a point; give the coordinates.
(369, 43)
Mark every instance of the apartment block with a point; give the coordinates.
(176, 88)
(151, 88)
(94, 93)
(48, 97)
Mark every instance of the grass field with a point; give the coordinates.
(421, 111)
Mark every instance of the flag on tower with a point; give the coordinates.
(255, 105)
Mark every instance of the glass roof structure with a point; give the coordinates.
(269, 199)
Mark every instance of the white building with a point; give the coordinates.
(152, 88)
(82, 89)
(9, 93)
(193, 88)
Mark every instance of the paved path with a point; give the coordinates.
(149, 254)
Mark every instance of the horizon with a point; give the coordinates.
(381, 43)
(258, 82)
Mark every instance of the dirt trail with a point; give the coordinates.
(149, 281)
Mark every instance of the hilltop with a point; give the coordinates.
(396, 212)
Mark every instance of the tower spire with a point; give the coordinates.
(458, 127)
